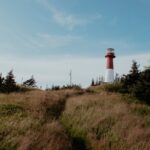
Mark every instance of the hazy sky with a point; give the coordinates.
(47, 38)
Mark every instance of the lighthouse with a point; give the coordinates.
(110, 55)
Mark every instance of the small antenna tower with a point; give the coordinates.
(70, 75)
(22, 80)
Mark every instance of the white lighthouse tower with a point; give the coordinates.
(110, 55)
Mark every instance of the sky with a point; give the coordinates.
(48, 38)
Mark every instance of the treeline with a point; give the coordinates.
(8, 83)
(57, 87)
(137, 82)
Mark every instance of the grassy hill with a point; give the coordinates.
(73, 120)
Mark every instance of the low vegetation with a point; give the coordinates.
(73, 119)
(30, 120)
(106, 121)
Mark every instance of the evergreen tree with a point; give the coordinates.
(142, 88)
(133, 76)
(1, 80)
(134, 72)
(10, 83)
(30, 82)
(1, 83)
(138, 83)
(92, 83)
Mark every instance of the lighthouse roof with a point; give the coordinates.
(110, 50)
(110, 53)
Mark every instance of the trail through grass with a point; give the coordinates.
(73, 120)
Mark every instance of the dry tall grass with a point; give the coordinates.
(72, 120)
(106, 121)
(31, 120)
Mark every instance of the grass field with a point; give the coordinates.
(73, 120)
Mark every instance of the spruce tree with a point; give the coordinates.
(133, 76)
(10, 83)
(92, 83)
(1, 83)
(142, 88)
(134, 72)
(30, 82)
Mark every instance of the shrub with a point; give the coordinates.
(74, 86)
(55, 87)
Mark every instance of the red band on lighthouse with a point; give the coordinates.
(109, 64)
(109, 77)
(109, 56)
